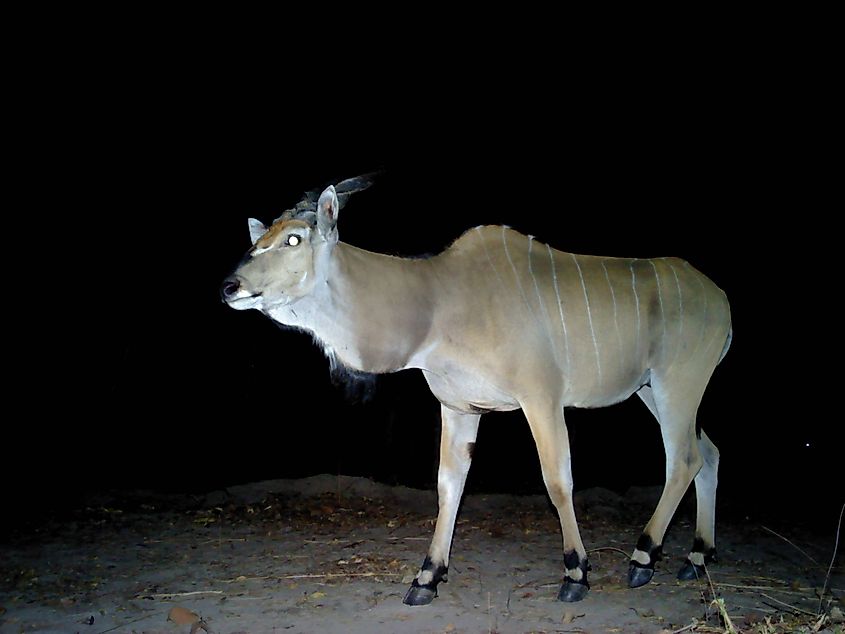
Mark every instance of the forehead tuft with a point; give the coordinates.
(277, 229)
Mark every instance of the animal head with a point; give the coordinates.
(289, 258)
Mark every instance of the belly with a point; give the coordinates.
(467, 393)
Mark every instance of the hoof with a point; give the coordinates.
(639, 576)
(572, 591)
(690, 571)
(419, 595)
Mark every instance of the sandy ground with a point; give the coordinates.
(336, 554)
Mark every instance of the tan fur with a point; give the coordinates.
(501, 321)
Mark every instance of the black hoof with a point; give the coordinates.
(419, 595)
(572, 591)
(639, 576)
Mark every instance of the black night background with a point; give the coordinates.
(138, 376)
(142, 414)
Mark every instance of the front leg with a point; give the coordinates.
(457, 440)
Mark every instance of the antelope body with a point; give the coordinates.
(501, 321)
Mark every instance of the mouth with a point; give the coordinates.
(244, 302)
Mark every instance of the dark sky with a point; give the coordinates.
(143, 378)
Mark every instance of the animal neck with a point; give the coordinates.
(371, 312)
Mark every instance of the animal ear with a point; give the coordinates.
(256, 229)
(327, 208)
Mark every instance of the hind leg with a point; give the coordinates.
(675, 406)
(704, 546)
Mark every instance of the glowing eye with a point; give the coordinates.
(293, 240)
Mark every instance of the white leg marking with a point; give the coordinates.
(575, 574)
(425, 577)
(641, 557)
(696, 558)
(589, 317)
(546, 320)
(615, 316)
(560, 310)
(660, 302)
(515, 273)
(637, 303)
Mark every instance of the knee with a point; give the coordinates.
(710, 455)
(559, 491)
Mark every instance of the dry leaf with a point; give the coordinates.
(450, 628)
(182, 616)
(836, 615)
(316, 595)
(568, 617)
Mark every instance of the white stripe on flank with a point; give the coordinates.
(589, 317)
(489, 259)
(680, 343)
(546, 321)
(615, 315)
(560, 309)
(704, 317)
(660, 301)
(516, 274)
(637, 302)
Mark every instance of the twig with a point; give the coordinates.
(791, 607)
(125, 623)
(688, 627)
(244, 578)
(173, 595)
(328, 575)
(790, 543)
(618, 550)
(832, 559)
(775, 588)
(331, 575)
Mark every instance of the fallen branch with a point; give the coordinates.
(327, 575)
(613, 548)
(790, 543)
(173, 595)
(795, 591)
(832, 559)
(791, 607)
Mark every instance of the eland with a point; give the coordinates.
(500, 321)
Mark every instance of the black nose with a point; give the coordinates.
(229, 287)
